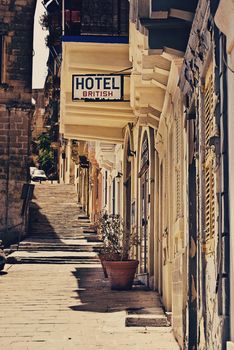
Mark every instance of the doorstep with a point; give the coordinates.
(146, 317)
(230, 345)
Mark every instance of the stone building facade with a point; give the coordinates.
(203, 85)
(224, 21)
(166, 150)
(16, 37)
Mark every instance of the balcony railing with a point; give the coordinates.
(96, 17)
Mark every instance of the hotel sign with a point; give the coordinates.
(97, 87)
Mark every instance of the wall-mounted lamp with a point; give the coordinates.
(119, 175)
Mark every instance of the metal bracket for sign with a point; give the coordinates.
(122, 75)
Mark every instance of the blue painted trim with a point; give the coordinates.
(96, 39)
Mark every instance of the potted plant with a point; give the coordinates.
(2, 257)
(117, 243)
(107, 226)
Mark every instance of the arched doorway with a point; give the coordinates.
(146, 202)
(128, 189)
(144, 205)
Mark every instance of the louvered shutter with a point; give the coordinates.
(178, 145)
(209, 156)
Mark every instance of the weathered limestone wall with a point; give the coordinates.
(170, 144)
(201, 85)
(178, 297)
(16, 31)
(224, 20)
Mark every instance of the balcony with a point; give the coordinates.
(168, 23)
(96, 18)
(182, 5)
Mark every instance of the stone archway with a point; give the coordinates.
(127, 179)
(146, 201)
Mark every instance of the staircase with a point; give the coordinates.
(59, 232)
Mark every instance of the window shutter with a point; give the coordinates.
(178, 139)
(209, 156)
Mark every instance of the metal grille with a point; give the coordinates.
(96, 17)
(104, 17)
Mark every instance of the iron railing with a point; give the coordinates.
(97, 17)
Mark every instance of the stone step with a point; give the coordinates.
(60, 248)
(51, 254)
(49, 246)
(51, 260)
(94, 239)
(147, 317)
(50, 230)
(146, 321)
(78, 239)
(56, 229)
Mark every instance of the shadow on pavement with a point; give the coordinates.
(39, 226)
(2, 273)
(95, 295)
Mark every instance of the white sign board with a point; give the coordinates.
(97, 87)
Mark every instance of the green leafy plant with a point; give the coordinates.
(45, 154)
(44, 141)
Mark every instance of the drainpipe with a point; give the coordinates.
(201, 255)
(224, 277)
(221, 147)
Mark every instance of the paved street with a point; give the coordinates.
(54, 295)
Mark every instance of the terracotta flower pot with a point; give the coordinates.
(121, 273)
(106, 270)
(103, 266)
(105, 257)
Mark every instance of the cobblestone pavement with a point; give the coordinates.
(47, 305)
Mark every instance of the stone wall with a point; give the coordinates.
(16, 31)
(178, 300)
(203, 85)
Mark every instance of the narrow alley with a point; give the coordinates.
(53, 294)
